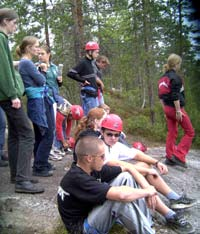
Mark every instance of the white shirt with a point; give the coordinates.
(119, 152)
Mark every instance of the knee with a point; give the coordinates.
(127, 179)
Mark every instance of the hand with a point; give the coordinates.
(162, 168)
(65, 144)
(151, 202)
(86, 83)
(43, 67)
(16, 103)
(152, 171)
(179, 115)
(59, 79)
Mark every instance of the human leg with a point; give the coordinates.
(2, 137)
(20, 141)
(43, 150)
(176, 201)
(2, 130)
(88, 103)
(185, 143)
(133, 215)
(172, 127)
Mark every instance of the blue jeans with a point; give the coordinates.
(44, 140)
(20, 141)
(88, 102)
(2, 131)
(57, 143)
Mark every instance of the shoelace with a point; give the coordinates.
(185, 199)
(181, 220)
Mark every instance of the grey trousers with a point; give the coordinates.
(135, 216)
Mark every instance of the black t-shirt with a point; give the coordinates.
(79, 192)
(83, 71)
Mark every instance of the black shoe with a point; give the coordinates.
(169, 162)
(27, 187)
(182, 203)
(179, 224)
(3, 163)
(33, 181)
(178, 161)
(44, 173)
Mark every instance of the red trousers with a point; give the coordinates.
(179, 150)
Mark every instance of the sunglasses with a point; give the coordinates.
(100, 156)
(109, 134)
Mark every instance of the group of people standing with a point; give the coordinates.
(32, 133)
(99, 189)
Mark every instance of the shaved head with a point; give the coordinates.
(88, 145)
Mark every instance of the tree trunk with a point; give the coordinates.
(78, 28)
(147, 33)
(46, 23)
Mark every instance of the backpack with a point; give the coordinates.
(164, 86)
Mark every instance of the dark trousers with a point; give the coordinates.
(44, 140)
(20, 141)
(2, 131)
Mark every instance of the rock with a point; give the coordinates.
(38, 214)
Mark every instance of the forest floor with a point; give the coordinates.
(38, 214)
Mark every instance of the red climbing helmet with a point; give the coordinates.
(92, 45)
(77, 112)
(112, 122)
(140, 146)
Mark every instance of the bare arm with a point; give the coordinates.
(142, 157)
(127, 194)
(100, 83)
(139, 178)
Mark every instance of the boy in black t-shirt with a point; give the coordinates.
(93, 196)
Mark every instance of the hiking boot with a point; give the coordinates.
(3, 163)
(27, 187)
(44, 173)
(169, 162)
(178, 162)
(182, 203)
(179, 224)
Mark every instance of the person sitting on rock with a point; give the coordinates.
(116, 153)
(92, 189)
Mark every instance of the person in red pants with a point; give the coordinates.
(173, 106)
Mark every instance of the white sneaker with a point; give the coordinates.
(55, 157)
(59, 152)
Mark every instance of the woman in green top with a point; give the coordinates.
(20, 137)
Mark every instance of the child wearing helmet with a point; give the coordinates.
(84, 73)
(116, 153)
(66, 114)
